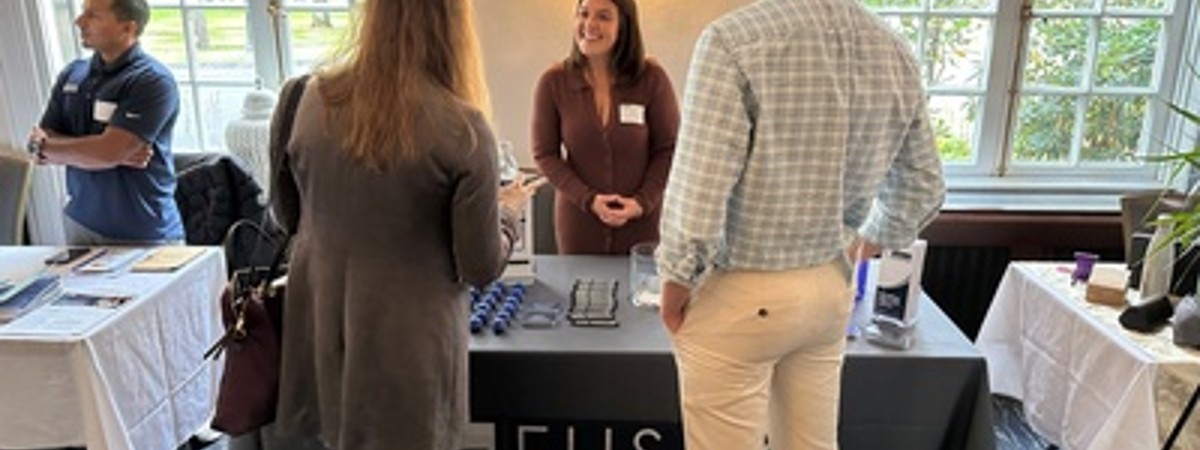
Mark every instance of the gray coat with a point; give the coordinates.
(375, 324)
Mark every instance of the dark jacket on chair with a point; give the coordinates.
(214, 191)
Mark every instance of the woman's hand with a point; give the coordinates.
(615, 210)
(515, 196)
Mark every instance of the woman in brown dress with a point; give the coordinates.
(390, 184)
(604, 128)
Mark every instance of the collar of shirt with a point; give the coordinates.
(132, 54)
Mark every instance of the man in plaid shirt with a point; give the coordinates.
(805, 145)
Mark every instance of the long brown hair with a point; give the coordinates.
(403, 51)
(629, 55)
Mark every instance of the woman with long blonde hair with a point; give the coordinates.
(389, 184)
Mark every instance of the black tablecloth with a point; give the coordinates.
(932, 396)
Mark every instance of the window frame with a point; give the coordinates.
(268, 62)
(994, 167)
(992, 170)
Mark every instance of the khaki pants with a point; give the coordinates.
(760, 353)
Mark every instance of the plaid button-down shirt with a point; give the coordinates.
(804, 122)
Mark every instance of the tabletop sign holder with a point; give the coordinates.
(897, 294)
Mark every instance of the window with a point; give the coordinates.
(1025, 94)
(1088, 78)
(218, 50)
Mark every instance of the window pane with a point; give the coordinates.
(222, 48)
(1138, 4)
(955, 49)
(1064, 4)
(1127, 51)
(315, 35)
(909, 27)
(892, 3)
(339, 3)
(1057, 52)
(185, 137)
(954, 120)
(219, 106)
(1113, 128)
(241, 3)
(163, 39)
(1045, 126)
(64, 16)
(962, 4)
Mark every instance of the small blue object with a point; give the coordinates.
(503, 316)
(499, 326)
(476, 324)
(860, 289)
(509, 308)
(518, 289)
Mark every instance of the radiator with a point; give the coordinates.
(962, 281)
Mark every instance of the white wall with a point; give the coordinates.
(521, 39)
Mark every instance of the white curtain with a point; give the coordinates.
(26, 74)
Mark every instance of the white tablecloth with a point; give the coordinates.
(134, 379)
(1086, 382)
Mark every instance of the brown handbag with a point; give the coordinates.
(252, 313)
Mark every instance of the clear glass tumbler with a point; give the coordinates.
(643, 275)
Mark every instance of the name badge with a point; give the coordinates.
(103, 111)
(70, 88)
(633, 114)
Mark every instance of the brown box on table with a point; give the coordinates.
(1106, 286)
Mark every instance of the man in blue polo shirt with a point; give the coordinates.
(109, 121)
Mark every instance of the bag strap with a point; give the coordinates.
(229, 245)
(293, 102)
(285, 206)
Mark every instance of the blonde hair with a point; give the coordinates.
(402, 51)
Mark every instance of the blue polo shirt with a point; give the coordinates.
(137, 94)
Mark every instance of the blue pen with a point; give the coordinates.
(860, 281)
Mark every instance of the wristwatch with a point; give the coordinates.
(35, 146)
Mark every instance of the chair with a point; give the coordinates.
(15, 175)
